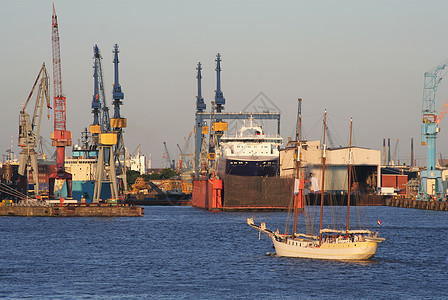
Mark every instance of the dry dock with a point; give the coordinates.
(75, 210)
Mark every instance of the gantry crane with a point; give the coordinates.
(61, 136)
(117, 124)
(431, 185)
(29, 129)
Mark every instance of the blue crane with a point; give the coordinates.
(105, 119)
(219, 97)
(218, 126)
(431, 185)
(118, 123)
(200, 128)
(100, 110)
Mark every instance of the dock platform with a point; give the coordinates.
(417, 204)
(72, 210)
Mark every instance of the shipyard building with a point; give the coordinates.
(366, 166)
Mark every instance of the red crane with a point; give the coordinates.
(61, 137)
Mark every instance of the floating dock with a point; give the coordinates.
(255, 193)
(243, 193)
(72, 210)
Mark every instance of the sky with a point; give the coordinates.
(360, 59)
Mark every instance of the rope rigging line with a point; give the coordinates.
(10, 191)
(7, 187)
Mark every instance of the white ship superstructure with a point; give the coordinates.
(250, 152)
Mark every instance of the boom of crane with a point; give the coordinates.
(29, 129)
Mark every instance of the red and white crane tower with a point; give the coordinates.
(61, 137)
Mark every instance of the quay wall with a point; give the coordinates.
(72, 211)
(418, 204)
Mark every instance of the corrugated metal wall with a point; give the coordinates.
(257, 192)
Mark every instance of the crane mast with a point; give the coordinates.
(61, 137)
(200, 128)
(218, 126)
(105, 119)
(299, 121)
(95, 128)
(118, 123)
(100, 110)
(219, 97)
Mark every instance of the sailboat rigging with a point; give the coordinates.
(330, 243)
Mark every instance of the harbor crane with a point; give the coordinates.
(29, 129)
(101, 119)
(102, 136)
(216, 116)
(218, 126)
(200, 128)
(61, 136)
(185, 158)
(431, 185)
(117, 124)
(167, 156)
(186, 155)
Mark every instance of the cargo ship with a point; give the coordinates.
(82, 166)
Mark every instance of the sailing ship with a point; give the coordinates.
(330, 243)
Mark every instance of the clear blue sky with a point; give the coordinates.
(364, 59)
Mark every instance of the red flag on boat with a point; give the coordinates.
(379, 222)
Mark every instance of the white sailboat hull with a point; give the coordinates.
(335, 251)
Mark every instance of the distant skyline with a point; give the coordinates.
(364, 59)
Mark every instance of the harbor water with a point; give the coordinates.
(188, 253)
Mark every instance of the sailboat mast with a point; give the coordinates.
(349, 190)
(322, 190)
(299, 151)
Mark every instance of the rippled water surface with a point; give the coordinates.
(188, 253)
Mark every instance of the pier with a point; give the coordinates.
(418, 204)
(72, 210)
